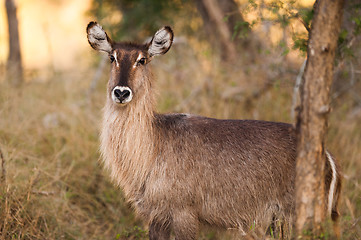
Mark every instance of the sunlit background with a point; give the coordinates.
(51, 32)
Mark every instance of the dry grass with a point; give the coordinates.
(55, 187)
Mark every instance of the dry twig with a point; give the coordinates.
(3, 168)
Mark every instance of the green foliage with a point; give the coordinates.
(342, 36)
(306, 15)
(136, 233)
(284, 14)
(351, 30)
(135, 19)
(252, 4)
(271, 232)
(300, 42)
(357, 21)
(241, 29)
(285, 49)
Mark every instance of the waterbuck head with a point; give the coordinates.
(130, 75)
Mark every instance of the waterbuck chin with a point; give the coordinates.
(180, 171)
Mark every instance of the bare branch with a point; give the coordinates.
(296, 99)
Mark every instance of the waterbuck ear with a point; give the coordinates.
(98, 38)
(161, 42)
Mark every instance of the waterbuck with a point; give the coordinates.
(180, 171)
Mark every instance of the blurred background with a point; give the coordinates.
(230, 59)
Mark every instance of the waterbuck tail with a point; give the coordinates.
(334, 194)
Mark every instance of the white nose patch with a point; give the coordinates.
(126, 98)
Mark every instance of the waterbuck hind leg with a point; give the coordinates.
(285, 230)
(185, 225)
(337, 229)
(159, 230)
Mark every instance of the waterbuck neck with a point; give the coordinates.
(127, 142)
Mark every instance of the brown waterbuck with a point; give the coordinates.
(180, 171)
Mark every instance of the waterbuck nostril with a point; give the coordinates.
(122, 94)
(117, 93)
(125, 94)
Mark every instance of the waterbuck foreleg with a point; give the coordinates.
(185, 225)
(159, 230)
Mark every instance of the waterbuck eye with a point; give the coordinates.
(112, 58)
(142, 61)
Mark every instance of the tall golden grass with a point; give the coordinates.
(54, 186)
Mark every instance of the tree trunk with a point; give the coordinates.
(14, 67)
(312, 119)
(220, 31)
